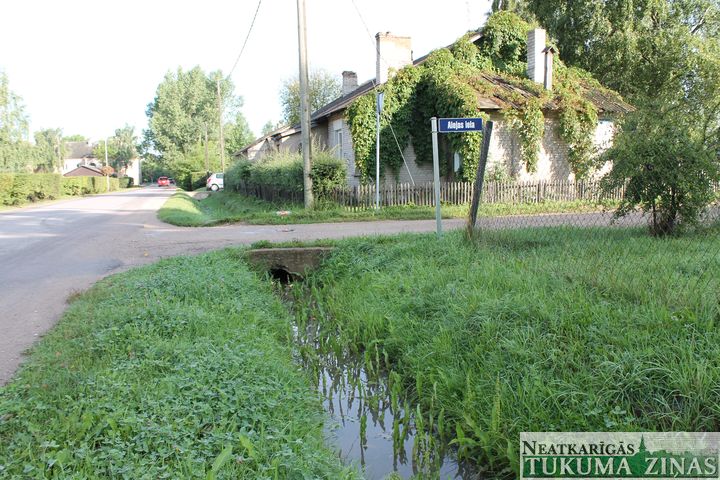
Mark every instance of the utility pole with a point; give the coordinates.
(378, 111)
(304, 104)
(220, 122)
(107, 171)
(207, 154)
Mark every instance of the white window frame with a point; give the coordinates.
(339, 143)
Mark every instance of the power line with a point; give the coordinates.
(375, 85)
(252, 24)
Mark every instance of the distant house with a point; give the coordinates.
(79, 154)
(84, 171)
(133, 171)
(330, 128)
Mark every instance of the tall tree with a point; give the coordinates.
(185, 103)
(121, 148)
(237, 134)
(16, 152)
(323, 88)
(51, 150)
(632, 46)
(268, 127)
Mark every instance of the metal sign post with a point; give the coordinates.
(479, 177)
(447, 125)
(436, 172)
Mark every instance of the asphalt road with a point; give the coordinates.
(49, 252)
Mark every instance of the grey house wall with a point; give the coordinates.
(504, 151)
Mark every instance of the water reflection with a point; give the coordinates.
(372, 423)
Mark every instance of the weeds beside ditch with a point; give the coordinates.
(530, 330)
(185, 369)
(182, 369)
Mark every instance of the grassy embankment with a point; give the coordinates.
(536, 330)
(177, 370)
(226, 207)
(158, 371)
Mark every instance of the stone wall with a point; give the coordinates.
(553, 158)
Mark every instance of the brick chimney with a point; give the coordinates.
(349, 82)
(549, 53)
(535, 56)
(393, 52)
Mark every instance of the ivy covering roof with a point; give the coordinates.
(504, 91)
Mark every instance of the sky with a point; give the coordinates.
(90, 66)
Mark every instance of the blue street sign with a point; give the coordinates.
(450, 125)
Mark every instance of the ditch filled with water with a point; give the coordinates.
(373, 424)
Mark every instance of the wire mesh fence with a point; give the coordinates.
(619, 260)
(575, 220)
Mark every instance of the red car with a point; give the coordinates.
(163, 182)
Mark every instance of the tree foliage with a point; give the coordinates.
(268, 127)
(75, 138)
(323, 88)
(237, 134)
(183, 130)
(16, 152)
(185, 105)
(122, 148)
(664, 55)
(51, 150)
(666, 167)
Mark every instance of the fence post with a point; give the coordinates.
(479, 177)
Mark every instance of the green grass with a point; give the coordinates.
(177, 370)
(228, 207)
(532, 330)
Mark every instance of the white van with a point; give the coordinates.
(215, 182)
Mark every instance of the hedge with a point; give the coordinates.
(284, 171)
(21, 188)
(126, 182)
(194, 180)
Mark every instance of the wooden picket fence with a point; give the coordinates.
(459, 193)
(453, 193)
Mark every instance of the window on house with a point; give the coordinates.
(339, 143)
(457, 161)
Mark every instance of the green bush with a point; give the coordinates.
(20, 188)
(198, 179)
(126, 182)
(668, 170)
(74, 186)
(100, 184)
(238, 173)
(284, 171)
(328, 173)
(88, 185)
(6, 183)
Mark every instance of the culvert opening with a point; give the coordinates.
(282, 275)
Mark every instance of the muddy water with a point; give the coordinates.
(372, 425)
(362, 429)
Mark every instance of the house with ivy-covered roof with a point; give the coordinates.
(551, 122)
